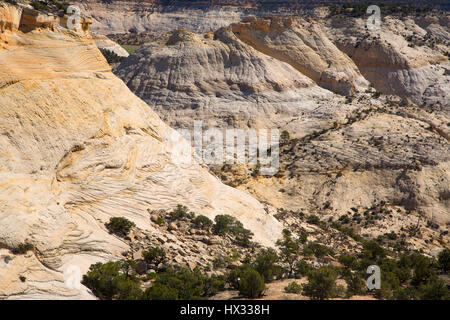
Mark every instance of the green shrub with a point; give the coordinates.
(312, 219)
(302, 268)
(39, 5)
(266, 264)
(151, 275)
(183, 284)
(347, 260)
(422, 270)
(232, 277)
(160, 291)
(223, 224)
(243, 236)
(435, 290)
(221, 262)
(316, 249)
(389, 281)
(391, 235)
(111, 56)
(113, 280)
(212, 285)
(203, 222)
(408, 293)
(285, 137)
(321, 284)
(22, 248)
(251, 284)
(303, 237)
(226, 224)
(181, 212)
(339, 292)
(120, 226)
(154, 256)
(289, 251)
(293, 287)
(355, 285)
(372, 251)
(444, 260)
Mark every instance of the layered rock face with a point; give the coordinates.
(385, 58)
(406, 57)
(218, 78)
(386, 155)
(156, 17)
(77, 147)
(148, 16)
(306, 47)
(290, 73)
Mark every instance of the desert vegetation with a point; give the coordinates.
(406, 275)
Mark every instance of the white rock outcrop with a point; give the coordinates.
(76, 148)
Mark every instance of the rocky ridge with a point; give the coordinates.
(78, 148)
(342, 151)
(408, 57)
(218, 78)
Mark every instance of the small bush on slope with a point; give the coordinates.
(120, 226)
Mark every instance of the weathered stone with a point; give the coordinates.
(141, 266)
(85, 149)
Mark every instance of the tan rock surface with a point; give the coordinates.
(352, 152)
(305, 46)
(116, 17)
(402, 58)
(77, 147)
(105, 43)
(223, 81)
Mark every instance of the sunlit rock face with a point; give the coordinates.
(77, 147)
(322, 80)
(222, 79)
(405, 57)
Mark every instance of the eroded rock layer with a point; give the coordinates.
(77, 147)
(218, 78)
(406, 57)
(291, 73)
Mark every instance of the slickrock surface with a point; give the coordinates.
(116, 17)
(347, 152)
(221, 80)
(406, 57)
(384, 154)
(76, 148)
(103, 42)
(306, 47)
(267, 71)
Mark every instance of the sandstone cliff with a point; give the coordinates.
(351, 152)
(406, 57)
(77, 147)
(218, 78)
(117, 17)
(306, 47)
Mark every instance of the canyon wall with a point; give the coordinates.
(351, 145)
(77, 148)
